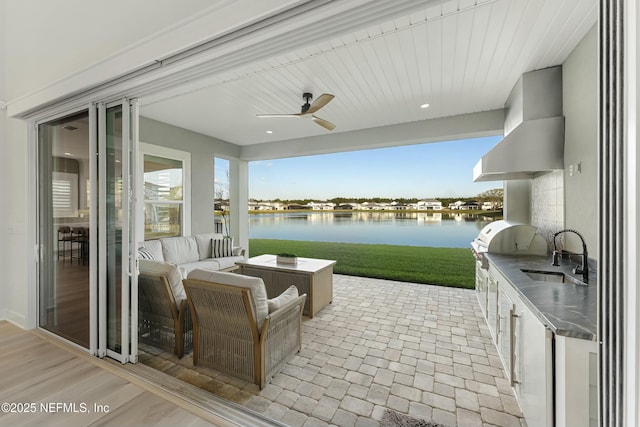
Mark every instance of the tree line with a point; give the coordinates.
(493, 195)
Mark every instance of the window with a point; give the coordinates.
(165, 187)
(65, 194)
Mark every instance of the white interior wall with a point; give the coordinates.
(70, 35)
(3, 163)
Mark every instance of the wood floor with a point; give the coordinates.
(68, 315)
(62, 386)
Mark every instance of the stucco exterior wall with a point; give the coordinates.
(568, 199)
(580, 100)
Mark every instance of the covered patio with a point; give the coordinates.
(416, 349)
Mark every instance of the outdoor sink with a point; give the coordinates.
(545, 276)
(552, 276)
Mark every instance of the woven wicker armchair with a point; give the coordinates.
(230, 335)
(162, 323)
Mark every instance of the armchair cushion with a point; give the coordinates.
(255, 284)
(171, 271)
(289, 294)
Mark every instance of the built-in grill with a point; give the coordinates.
(506, 237)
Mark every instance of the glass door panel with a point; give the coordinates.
(117, 142)
(64, 164)
(113, 223)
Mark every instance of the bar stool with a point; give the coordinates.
(80, 235)
(64, 236)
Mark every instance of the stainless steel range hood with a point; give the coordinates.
(534, 129)
(533, 148)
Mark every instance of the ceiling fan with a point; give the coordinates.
(308, 110)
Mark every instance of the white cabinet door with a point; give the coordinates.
(481, 288)
(532, 373)
(505, 338)
(576, 382)
(492, 305)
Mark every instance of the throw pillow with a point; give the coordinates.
(143, 253)
(221, 247)
(290, 294)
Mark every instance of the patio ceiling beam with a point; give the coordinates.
(474, 125)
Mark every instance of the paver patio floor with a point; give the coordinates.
(417, 349)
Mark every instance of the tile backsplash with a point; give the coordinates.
(547, 204)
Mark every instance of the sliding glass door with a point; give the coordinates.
(64, 164)
(87, 289)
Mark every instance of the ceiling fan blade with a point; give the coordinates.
(262, 116)
(324, 123)
(320, 102)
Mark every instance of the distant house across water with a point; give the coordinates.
(470, 205)
(429, 205)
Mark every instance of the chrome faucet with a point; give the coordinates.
(581, 269)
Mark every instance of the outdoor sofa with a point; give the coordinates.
(164, 318)
(211, 251)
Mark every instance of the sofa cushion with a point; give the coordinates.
(180, 250)
(221, 247)
(171, 271)
(204, 243)
(255, 284)
(227, 262)
(207, 264)
(289, 294)
(154, 247)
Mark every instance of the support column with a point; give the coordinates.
(239, 201)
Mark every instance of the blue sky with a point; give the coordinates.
(441, 169)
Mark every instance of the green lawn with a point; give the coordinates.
(438, 266)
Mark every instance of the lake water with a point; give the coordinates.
(393, 228)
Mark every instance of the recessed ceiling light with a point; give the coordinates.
(269, 131)
(67, 154)
(424, 106)
(70, 127)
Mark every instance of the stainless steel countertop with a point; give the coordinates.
(565, 308)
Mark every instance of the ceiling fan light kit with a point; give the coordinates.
(309, 109)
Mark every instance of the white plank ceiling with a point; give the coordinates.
(460, 57)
